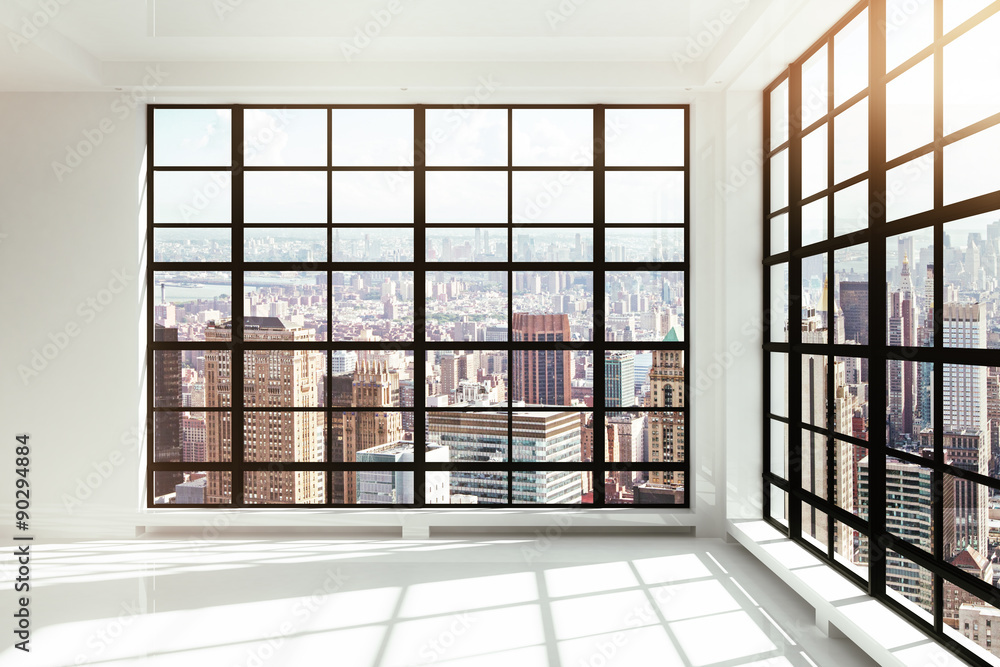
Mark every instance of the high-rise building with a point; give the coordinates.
(167, 389)
(666, 432)
(619, 379)
(902, 329)
(854, 304)
(542, 377)
(271, 379)
(391, 487)
(374, 386)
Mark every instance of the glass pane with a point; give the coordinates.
(910, 585)
(779, 180)
(779, 449)
(970, 166)
(814, 161)
(845, 481)
(815, 87)
(192, 245)
(650, 378)
(467, 196)
(850, 209)
(558, 304)
(549, 487)
(970, 282)
(372, 244)
(850, 60)
(815, 526)
(180, 377)
(372, 196)
(549, 437)
(778, 314)
(815, 301)
(194, 431)
(779, 384)
(909, 407)
(957, 12)
(850, 409)
(372, 306)
(390, 487)
(850, 269)
(909, 188)
(472, 437)
(297, 299)
(850, 549)
(281, 378)
(284, 244)
(644, 305)
(467, 306)
(969, 403)
(284, 488)
(779, 234)
(390, 372)
(189, 301)
(644, 197)
(553, 197)
(643, 137)
(779, 505)
(466, 137)
(639, 244)
(850, 130)
(649, 487)
(909, 110)
(373, 137)
(966, 508)
(284, 137)
(971, 76)
(911, 294)
(814, 405)
(369, 436)
(192, 137)
(465, 244)
(284, 436)
(814, 221)
(541, 377)
(475, 378)
(909, 28)
(970, 621)
(908, 501)
(476, 487)
(192, 488)
(540, 244)
(284, 196)
(553, 137)
(779, 114)
(197, 197)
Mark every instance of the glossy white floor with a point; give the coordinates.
(570, 601)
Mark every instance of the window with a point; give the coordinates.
(409, 306)
(883, 403)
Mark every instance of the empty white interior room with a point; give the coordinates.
(305, 304)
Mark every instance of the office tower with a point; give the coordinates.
(902, 380)
(167, 443)
(193, 438)
(619, 379)
(396, 486)
(907, 488)
(271, 379)
(666, 429)
(473, 437)
(854, 304)
(541, 377)
(373, 386)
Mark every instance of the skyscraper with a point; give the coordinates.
(902, 325)
(167, 444)
(666, 431)
(619, 379)
(541, 377)
(374, 386)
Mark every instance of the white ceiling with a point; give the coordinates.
(277, 46)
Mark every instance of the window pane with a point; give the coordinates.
(845, 483)
(644, 197)
(909, 188)
(779, 384)
(549, 437)
(297, 299)
(373, 137)
(644, 137)
(779, 180)
(814, 161)
(908, 502)
(284, 244)
(189, 301)
(850, 549)
(971, 622)
(540, 244)
(909, 320)
(639, 244)
(284, 196)
(970, 166)
(779, 234)
(644, 305)
(284, 436)
(198, 429)
(779, 114)
(957, 12)
(909, 110)
(370, 436)
(661, 488)
(389, 487)
(197, 197)
(971, 76)
(909, 29)
(192, 137)
(556, 304)
(284, 488)
(372, 244)
(464, 244)
(850, 267)
(815, 527)
(472, 437)
(544, 376)
(909, 407)
(467, 196)
(391, 372)
(281, 378)
(644, 378)
(850, 209)
(779, 505)
(553, 137)
(192, 245)
(815, 302)
(970, 282)
(814, 221)
(850, 62)
(180, 377)
(550, 487)
(467, 306)
(467, 487)
(910, 585)
(779, 449)
(850, 128)
(554, 197)
(191, 488)
(372, 306)
(815, 87)
(966, 510)
(466, 378)
(372, 196)
(778, 314)
(814, 403)
(850, 409)
(466, 137)
(284, 137)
